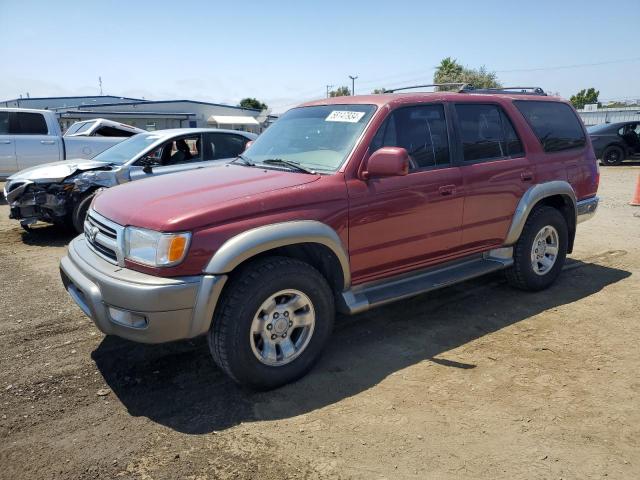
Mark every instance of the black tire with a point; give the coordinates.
(229, 338)
(522, 275)
(612, 156)
(79, 213)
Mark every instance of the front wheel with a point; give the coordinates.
(539, 254)
(79, 213)
(273, 321)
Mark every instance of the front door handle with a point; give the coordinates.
(526, 176)
(47, 142)
(5, 142)
(447, 190)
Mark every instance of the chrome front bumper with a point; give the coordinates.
(587, 208)
(133, 305)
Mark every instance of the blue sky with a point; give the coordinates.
(286, 52)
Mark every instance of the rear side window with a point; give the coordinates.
(554, 123)
(421, 130)
(486, 133)
(27, 123)
(223, 145)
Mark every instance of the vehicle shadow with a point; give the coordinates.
(48, 235)
(178, 385)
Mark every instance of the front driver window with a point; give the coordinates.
(421, 131)
(181, 150)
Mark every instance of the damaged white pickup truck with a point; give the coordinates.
(61, 192)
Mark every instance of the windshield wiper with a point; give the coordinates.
(245, 160)
(287, 163)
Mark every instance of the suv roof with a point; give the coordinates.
(390, 98)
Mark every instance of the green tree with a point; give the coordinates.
(340, 92)
(450, 71)
(584, 97)
(378, 91)
(254, 103)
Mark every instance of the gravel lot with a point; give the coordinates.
(476, 381)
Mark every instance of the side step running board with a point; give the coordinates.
(363, 297)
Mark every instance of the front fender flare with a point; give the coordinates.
(261, 239)
(531, 198)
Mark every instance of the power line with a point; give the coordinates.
(577, 65)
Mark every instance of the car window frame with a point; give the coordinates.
(450, 137)
(460, 147)
(14, 123)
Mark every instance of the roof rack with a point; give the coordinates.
(513, 90)
(460, 86)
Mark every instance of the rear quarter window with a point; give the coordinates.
(554, 123)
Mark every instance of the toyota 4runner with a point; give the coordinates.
(343, 204)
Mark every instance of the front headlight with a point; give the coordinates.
(155, 249)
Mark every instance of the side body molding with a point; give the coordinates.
(257, 240)
(531, 198)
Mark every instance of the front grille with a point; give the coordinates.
(104, 237)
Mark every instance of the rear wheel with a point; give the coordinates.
(612, 156)
(272, 323)
(541, 250)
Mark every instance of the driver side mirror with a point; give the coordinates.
(387, 162)
(148, 163)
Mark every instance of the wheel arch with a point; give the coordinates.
(557, 194)
(308, 240)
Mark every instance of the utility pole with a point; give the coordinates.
(353, 84)
(100, 83)
(328, 87)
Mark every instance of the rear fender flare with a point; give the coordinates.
(531, 198)
(252, 242)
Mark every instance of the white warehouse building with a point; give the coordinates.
(149, 114)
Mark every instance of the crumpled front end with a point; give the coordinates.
(31, 200)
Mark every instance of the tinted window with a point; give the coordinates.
(486, 133)
(554, 123)
(421, 130)
(30, 124)
(4, 123)
(223, 145)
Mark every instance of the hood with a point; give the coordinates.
(186, 200)
(55, 171)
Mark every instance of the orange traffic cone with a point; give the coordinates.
(635, 201)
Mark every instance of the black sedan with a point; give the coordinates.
(615, 142)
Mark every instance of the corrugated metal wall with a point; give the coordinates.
(610, 115)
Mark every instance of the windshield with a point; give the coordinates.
(317, 138)
(79, 127)
(124, 151)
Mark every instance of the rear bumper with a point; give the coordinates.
(139, 307)
(586, 209)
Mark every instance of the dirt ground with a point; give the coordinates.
(476, 381)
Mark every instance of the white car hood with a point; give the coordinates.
(55, 171)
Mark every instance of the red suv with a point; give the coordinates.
(343, 204)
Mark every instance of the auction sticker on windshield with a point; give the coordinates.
(344, 116)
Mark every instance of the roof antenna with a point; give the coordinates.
(100, 84)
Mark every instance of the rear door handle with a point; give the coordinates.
(5, 142)
(447, 190)
(47, 142)
(526, 176)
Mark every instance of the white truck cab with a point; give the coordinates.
(32, 137)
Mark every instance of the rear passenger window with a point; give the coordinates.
(29, 124)
(554, 123)
(223, 145)
(4, 123)
(486, 133)
(421, 131)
